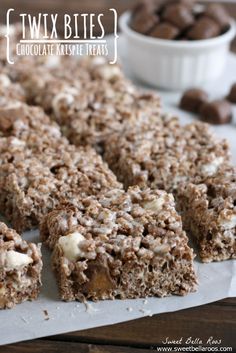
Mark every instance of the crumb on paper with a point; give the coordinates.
(129, 309)
(145, 301)
(89, 308)
(46, 315)
(146, 312)
(24, 319)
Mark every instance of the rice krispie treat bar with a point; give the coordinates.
(28, 125)
(209, 214)
(33, 183)
(89, 110)
(123, 245)
(163, 156)
(38, 167)
(90, 118)
(20, 268)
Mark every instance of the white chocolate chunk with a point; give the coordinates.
(16, 142)
(16, 260)
(154, 205)
(52, 61)
(98, 60)
(10, 105)
(65, 97)
(68, 98)
(109, 72)
(228, 223)
(70, 245)
(162, 249)
(4, 80)
(211, 168)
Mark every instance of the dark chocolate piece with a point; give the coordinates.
(148, 6)
(204, 28)
(232, 94)
(179, 15)
(217, 112)
(144, 21)
(193, 99)
(165, 31)
(219, 14)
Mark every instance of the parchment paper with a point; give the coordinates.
(216, 280)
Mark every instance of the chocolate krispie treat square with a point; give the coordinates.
(89, 110)
(33, 183)
(20, 268)
(123, 245)
(164, 155)
(208, 211)
(38, 166)
(29, 125)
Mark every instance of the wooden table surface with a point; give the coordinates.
(217, 319)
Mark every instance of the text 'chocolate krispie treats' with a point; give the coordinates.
(38, 167)
(164, 155)
(123, 245)
(20, 268)
(93, 106)
(208, 211)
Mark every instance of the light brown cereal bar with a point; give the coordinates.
(122, 245)
(38, 167)
(20, 268)
(89, 110)
(209, 214)
(165, 155)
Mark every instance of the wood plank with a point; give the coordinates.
(209, 320)
(45, 346)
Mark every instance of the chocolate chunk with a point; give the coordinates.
(187, 3)
(165, 30)
(217, 112)
(232, 94)
(179, 15)
(144, 21)
(193, 99)
(100, 281)
(148, 6)
(219, 15)
(204, 28)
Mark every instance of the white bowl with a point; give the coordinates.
(175, 65)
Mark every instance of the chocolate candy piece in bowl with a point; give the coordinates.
(162, 57)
